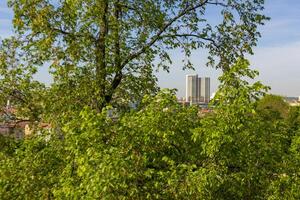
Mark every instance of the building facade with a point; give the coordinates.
(192, 92)
(197, 89)
(205, 89)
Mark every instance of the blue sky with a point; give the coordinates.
(277, 55)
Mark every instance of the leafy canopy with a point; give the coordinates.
(161, 150)
(102, 51)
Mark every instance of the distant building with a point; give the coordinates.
(197, 89)
(204, 89)
(192, 88)
(15, 130)
(292, 101)
(10, 126)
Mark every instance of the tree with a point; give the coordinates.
(273, 107)
(161, 150)
(30, 169)
(99, 51)
(146, 155)
(243, 152)
(94, 48)
(293, 118)
(288, 182)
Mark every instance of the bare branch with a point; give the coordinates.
(218, 4)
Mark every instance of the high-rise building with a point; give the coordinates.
(192, 91)
(205, 89)
(197, 89)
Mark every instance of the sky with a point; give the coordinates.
(277, 56)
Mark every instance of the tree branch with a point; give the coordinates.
(192, 35)
(101, 54)
(119, 75)
(156, 37)
(137, 10)
(218, 4)
(74, 35)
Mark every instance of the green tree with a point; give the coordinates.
(99, 50)
(243, 152)
(288, 183)
(147, 154)
(273, 107)
(162, 150)
(102, 52)
(293, 118)
(31, 169)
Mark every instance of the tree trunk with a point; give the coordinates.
(117, 57)
(101, 56)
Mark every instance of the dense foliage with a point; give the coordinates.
(163, 150)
